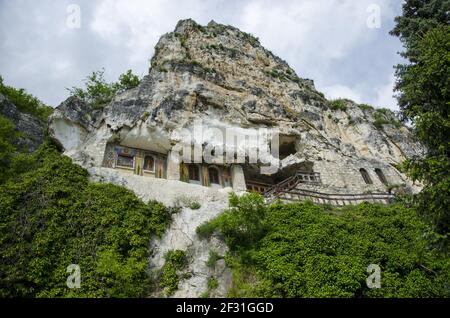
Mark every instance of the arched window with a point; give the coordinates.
(194, 172)
(381, 176)
(365, 176)
(213, 175)
(149, 163)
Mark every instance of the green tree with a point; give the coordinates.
(51, 216)
(98, 92)
(25, 102)
(7, 148)
(309, 250)
(127, 81)
(419, 17)
(242, 224)
(423, 86)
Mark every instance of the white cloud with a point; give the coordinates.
(299, 31)
(327, 41)
(384, 95)
(341, 91)
(381, 96)
(138, 24)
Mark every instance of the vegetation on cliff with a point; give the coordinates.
(423, 86)
(98, 92)
(7, 147)
(52, 216)
(25, 102)
(308, 250)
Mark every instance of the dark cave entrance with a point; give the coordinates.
(259, 182)
(287, 146)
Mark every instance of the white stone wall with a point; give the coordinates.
(182, 232)
(345, 177)
(237, 175)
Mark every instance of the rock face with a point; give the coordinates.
(30, 127)
(224, 78)
(181, 234)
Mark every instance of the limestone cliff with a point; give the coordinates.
(30, 127)
(224, 77)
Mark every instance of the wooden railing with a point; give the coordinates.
(259, 187)
(338, 199)
(289, 183)
(288, 190)
(293, 181)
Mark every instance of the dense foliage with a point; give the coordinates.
(384, 116)
(98, 92)
(7, 148)
(175, 261)
(25, 102)
(423, 86)
(12, 160)
(338, 104)
(52, 216)
(308, 250)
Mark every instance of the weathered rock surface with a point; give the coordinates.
(225, 78)
(181, 234)
(218, 73)
(30, 127)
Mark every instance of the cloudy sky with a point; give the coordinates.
(340, 44)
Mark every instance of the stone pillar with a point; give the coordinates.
(173, 167)
(238, 178)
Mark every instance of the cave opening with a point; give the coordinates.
(287, 146)
(260, 182)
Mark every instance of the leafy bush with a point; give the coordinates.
(186, 201)
(195, 205)
(383, 116)
(98, 93)
(176, 260)
(205, 230)
(7, 148)
(311, 251)
(253, 40)
(205, 294)
(213, 258)
(338, 104)
(241, 225)
(366, 107)
(283, 75)
(52, 216)
(169, 279)
(25, 102)
(212, 283)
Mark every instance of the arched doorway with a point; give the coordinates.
(381, 176)
(214, 176)
(194, 174)
(365, 176)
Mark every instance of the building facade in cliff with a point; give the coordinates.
(225, 78)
